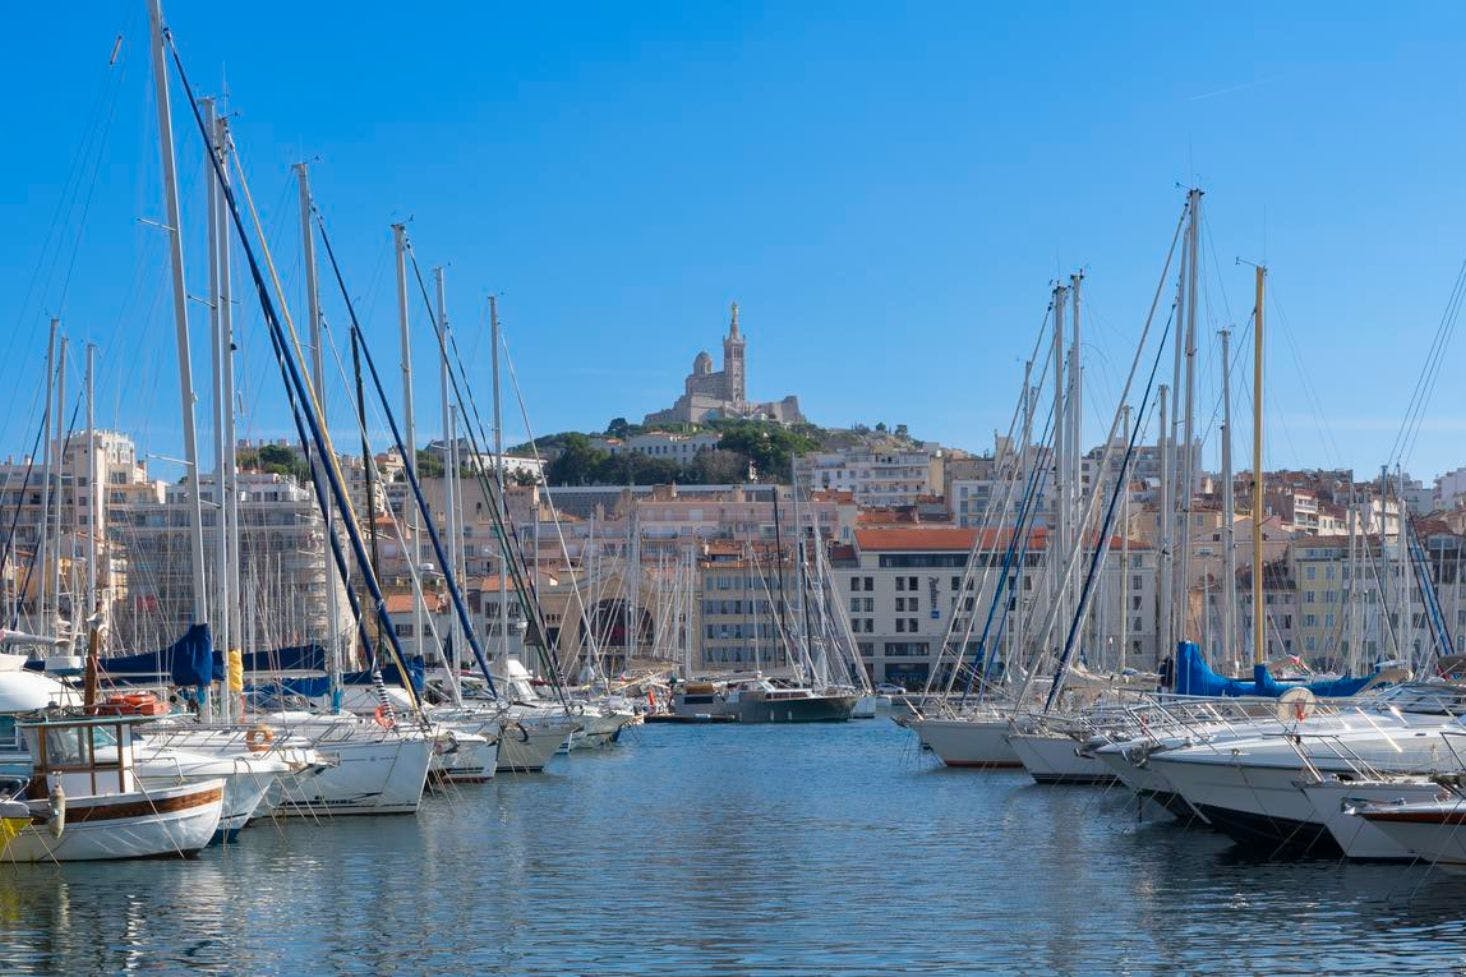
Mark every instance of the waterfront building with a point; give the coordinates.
(904, 593)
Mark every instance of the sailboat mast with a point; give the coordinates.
(219, 404)
(1076, 422)
(174, 218)
(94, 485)
(450, 472)
(318, 382)
(43, 618)
(1259, 614)
(1164, 635)
(500, 502)
(230, 489)
(1124, 556)
(1229, 513)
(1059, 539)
(61, 439)
(1185, 449)
(409, 431)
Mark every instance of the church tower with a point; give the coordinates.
(733, 369)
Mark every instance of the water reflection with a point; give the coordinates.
(735, 851)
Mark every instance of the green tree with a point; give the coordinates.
(578, 463)
(718, 467)
(280, 460)
(771, 447)
(429, 465)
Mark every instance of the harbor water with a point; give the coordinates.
(737, 850)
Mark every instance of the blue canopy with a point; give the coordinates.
(1195, 677)
(188, 661)
(316, 687)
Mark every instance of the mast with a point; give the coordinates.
(62, 437)
(174, 218)
(96, 489)
(231, 609)
(1229, 513)
(219, 404)
(409, 432)
(318, 463)
(1060, 537)
(1259, 623)
(500, 502)
(43, 619)
(1164, 634)
(1185, 451)
(1124, 556)
(450, 474)
(1076, 424)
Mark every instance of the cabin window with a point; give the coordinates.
(104, 747)
(64, 747)
(7, 732)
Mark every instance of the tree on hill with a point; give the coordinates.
(769, 446)
(718, 467)
(578, 463)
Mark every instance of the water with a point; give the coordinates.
(732, 851)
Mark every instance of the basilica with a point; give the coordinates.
(711, 395)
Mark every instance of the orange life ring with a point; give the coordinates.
(382, 718)
(259, 738)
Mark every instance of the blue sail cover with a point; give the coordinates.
(1195, 677)
(190, 660)
(316, 687)
(295, 658)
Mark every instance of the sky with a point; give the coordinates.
(888, 191)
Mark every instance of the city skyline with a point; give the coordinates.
(888, 227)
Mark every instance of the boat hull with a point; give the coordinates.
(1434, 832)
(1335, 801)
(382, 774)
(975, 744)
(1259, 807)
(529, 747)
(1057, 760)
(163, 822)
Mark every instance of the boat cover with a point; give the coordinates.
(1195, 677)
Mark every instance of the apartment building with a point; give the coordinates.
(906, 595)
(889, 475)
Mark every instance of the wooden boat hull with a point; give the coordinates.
(160, 822)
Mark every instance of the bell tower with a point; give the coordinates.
(733, 366)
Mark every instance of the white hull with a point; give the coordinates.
(529, 746)
(247, 779)
(599, 730)
(1439, 836)
(969, 743)
(471, 760)
(157, 823)
(1333, 802)
(1056, 760)
(373, 774)
(1130, 763)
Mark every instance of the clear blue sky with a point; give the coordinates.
(886, 190)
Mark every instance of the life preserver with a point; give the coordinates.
(383, 719)
(259, 738)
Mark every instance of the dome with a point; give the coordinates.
(703, 363)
